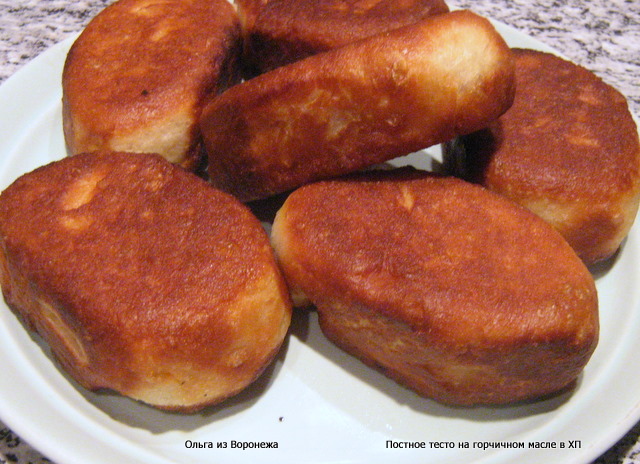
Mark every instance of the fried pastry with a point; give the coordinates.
(142, 278)
(567, 149)
(358, 105)
(450, 289)
(136, 78)
(279, 32)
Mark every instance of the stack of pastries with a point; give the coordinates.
(139, 263)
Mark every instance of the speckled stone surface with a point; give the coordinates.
(601, 35)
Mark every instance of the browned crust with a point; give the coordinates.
(452, 290)
(138, 75)
(279, 32)
(142, 278)
(567, 149)
(358, 105)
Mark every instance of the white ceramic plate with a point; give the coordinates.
(316, 403)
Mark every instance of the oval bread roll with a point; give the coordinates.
(142, 278)
(136, 78)
(358, 105)
(567, 149)
(453, 291)
(279, 32)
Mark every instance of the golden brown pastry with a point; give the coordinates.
(136, 78)
(358, 105)
(279, 32)
(567, 149)
(448, 288)
(142, 278)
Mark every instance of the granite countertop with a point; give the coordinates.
(601, 35)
